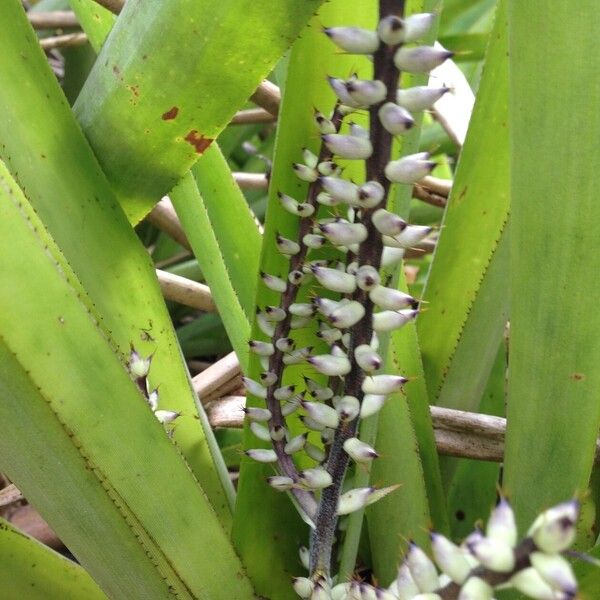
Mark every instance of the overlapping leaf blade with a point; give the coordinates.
(127, 464)
(49, 157)
(553, 409)
(464, 309)
(29, 569)
(152, 105)
(472, 489)
(215, 216)
(588, 576)
(95, 20)
(225, 238)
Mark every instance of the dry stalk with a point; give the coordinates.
(56, 19)
(185, 291)
(63, 41)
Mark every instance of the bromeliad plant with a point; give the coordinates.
(354, 309)
(117, 452)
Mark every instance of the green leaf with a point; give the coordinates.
(473, 358)
(272, 558)
(95, 20)
(152, 104)
(553, 409)
(50, 159)
(63, 485)
(465, 289)
(78, 62)
(232, 137)
(473, 489)
(476, 350)
(409, 457)
(64, 385)
(29, 569)
(203, 337)
(588, 576)
(188, 269)
(225, 240)
(468, 46)
(404, 514)
(213, 226)
(460, 16)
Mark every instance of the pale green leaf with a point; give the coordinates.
(466, 291)
(153, 104)
(51, 161)
(225, 240)
(29, 569)
(553, 409)
(472, 491)
(95, 20)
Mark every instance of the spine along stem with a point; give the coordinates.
(282, 345)
(369, 254)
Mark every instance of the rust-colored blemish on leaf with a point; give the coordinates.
(135, 90)
(170, 114)
(197, 140)
(577, 376)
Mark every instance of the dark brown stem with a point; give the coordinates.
(522, 553)
(369, 254)
(282, 330)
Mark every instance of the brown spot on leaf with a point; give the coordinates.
(197, 140)
(135, 90)
(463, 192)
(170, 114)
(577, 376)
